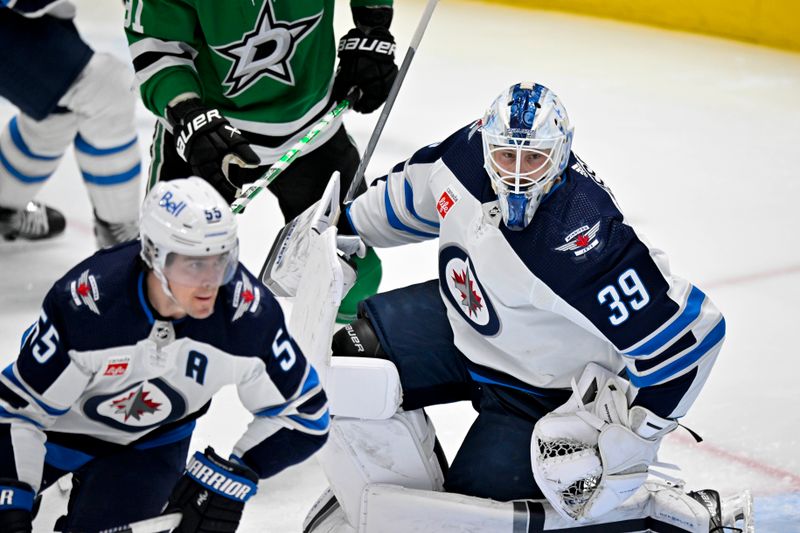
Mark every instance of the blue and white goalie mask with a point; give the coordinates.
(526, 144)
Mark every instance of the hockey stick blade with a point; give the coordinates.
(151, 525)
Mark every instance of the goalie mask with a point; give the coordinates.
(188, 235)
(526, 145)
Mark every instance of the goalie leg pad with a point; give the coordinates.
(398, 451)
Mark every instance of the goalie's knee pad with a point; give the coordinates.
(399, 450)
(358, 340)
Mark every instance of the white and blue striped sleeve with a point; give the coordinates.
(400, 208)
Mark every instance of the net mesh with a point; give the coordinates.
(576, 495)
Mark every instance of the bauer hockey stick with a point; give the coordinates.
(283, 243)
(278, 166)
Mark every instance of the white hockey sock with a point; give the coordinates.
(112, 175)
(30, 152)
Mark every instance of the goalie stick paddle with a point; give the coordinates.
(281, 242)
(151, 525)
(387, 107)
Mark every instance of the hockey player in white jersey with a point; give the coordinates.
(67, 94)
(127, 352)
(546, 295)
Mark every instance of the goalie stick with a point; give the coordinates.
(282, 242)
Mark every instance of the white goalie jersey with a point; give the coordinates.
(531, 308)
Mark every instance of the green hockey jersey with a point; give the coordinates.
(266, 65)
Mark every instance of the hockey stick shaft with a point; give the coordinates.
(387, 107)
(278, 166)
(151, 525)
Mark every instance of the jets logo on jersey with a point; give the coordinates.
(85, 292)
(266, 50)
(245, 298)
(460, 286)
(143, 405)
(581, 240)
(446, 202)
(135, 404)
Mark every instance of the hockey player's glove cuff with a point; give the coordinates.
(212, 493)
(16, 504)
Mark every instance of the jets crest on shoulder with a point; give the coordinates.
(246, 297)
(84, 291)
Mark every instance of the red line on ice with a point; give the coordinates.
(793, 480)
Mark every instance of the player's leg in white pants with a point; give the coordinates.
(30, 152)
(106, 146)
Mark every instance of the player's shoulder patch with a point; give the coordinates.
(84, 291)
(582, 240)
(97, 281)
(246, 296)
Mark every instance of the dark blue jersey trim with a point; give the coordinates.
(689, 314)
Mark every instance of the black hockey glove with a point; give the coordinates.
(16, 502)
(211, 494)
(208, 142)
(366, 60)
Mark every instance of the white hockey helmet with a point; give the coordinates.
(188, 219)
(527, 139)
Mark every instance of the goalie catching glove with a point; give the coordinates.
(211, 494)
(210, 145)
(589, 458)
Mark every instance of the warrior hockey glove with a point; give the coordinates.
(366, 60)
(208, 142)
(16, 504)
(211, 494)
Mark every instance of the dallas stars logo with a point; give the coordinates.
(265, 50)
(135, 404)
(469, 298)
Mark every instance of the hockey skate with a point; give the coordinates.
(732, 514)
(34, 222)
(108, 234)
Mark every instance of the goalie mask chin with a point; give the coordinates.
(526, 138)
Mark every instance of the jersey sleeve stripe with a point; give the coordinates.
(684, 343)
(689, 314)
(7, 414)
(396, 223)
(319, 424)
(409, 195)
(8, 373)
(713, 338)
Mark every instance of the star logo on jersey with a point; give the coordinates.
(266, 50)
(246, 298)
(581, 240)
(135, 404)
(469, 298)
(84, 292)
